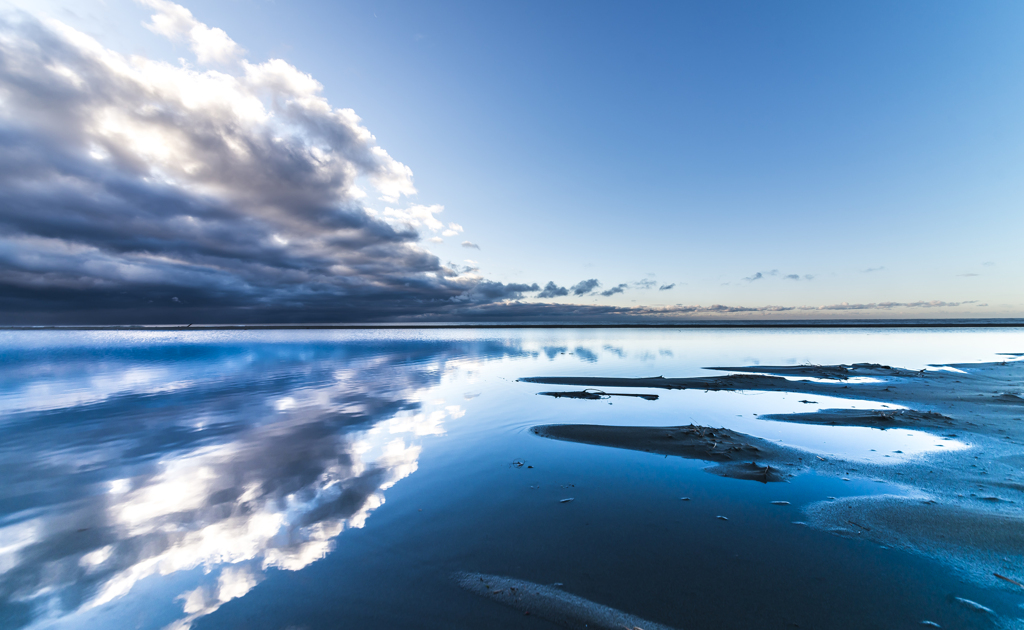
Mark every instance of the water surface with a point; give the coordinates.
(325, 479)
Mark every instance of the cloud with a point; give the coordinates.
(553, 290)
(872, 269)
(469, 245)
(488, 291)
(453, 229)
(988, 264)
(775, 272)
(240, 191)
(969, 275)
(585, 286)
(414, 217)
(888, 305)
(616, 289)
(666, 287)
(548, 312)
(645, 284)
(175, 22)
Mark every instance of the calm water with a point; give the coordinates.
(337, 479)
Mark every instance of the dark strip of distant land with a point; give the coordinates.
(889, 323)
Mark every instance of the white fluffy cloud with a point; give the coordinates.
(175, 22)
(415, 217)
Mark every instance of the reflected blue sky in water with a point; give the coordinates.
(158, 476)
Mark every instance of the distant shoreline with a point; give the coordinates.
(786, 324)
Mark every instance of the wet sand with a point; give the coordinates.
(983, 398)
(963, 508)
(739, 455)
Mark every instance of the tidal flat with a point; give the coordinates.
(419, 478)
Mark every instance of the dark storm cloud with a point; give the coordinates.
(127, 183)
(553, 290)
(585, 286)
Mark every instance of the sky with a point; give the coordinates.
(251, 161)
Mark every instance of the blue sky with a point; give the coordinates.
(861, 153)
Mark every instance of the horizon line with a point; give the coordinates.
(822, 323)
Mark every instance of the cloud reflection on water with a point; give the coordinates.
(254, 457)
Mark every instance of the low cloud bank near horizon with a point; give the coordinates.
(548, 312)
(498, 302)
